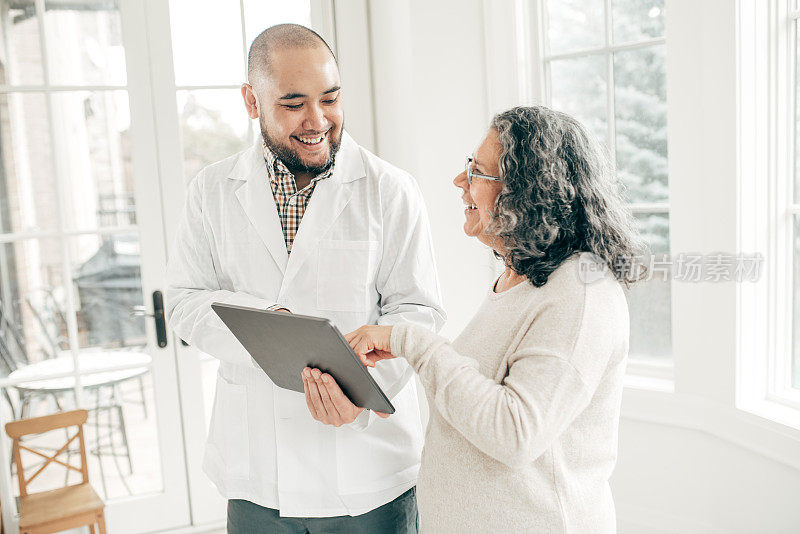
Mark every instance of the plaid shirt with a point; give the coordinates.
(291, 203)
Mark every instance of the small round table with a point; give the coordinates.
(90, 361)
(93, 361)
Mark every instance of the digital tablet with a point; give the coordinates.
(284, 344)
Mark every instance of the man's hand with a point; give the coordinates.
(325, 399)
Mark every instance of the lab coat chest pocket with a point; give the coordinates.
(344, 275)
(232, 438)
(236, 239)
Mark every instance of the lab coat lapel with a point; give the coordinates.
(329, 199)
(258, 203)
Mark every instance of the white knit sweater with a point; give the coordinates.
(524, 409)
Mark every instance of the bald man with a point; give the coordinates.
(308, 222)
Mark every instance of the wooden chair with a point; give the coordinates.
(63, 508)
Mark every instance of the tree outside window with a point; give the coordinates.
(605, 64)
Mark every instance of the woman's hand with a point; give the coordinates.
(371, 343)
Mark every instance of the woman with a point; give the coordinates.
(525, 402)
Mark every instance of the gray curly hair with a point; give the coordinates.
(560, 196)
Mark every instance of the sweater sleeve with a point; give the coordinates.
(551, 377)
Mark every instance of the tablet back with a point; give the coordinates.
(284, 344)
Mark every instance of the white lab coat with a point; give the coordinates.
(362, 255)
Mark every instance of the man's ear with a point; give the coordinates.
(250, 101)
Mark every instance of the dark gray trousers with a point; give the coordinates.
(396, 517)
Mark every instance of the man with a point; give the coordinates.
(306, 222)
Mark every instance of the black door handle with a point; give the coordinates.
(161, 322)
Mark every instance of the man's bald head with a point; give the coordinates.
(275, 38)
(295, 93)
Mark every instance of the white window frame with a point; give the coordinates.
(529, 40)
(149, 223)
(785, 50)
(767, 61)
(654, 372)
(707, 131)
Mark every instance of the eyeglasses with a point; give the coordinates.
(471, 174)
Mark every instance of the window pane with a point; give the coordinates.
(214, 125)
(107, 284)
(22, 60)
(637, 20)
(640, 113)
(34, 305)
(574, 25)
(93, 151)
(207, 46)
(27, 177)
(32, 327)
(796, 306)
(121, 434)
(797, 112)
(649, 301)
(261, 14)
(84, 43)
(578, 87)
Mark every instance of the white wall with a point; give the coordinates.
(681, 480)
(689, 469)
(430, 113)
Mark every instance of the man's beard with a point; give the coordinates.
(292, 159)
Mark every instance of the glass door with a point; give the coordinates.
(202, 119)
(82, 254)
(107, 109)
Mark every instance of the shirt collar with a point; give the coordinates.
(275, 167)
